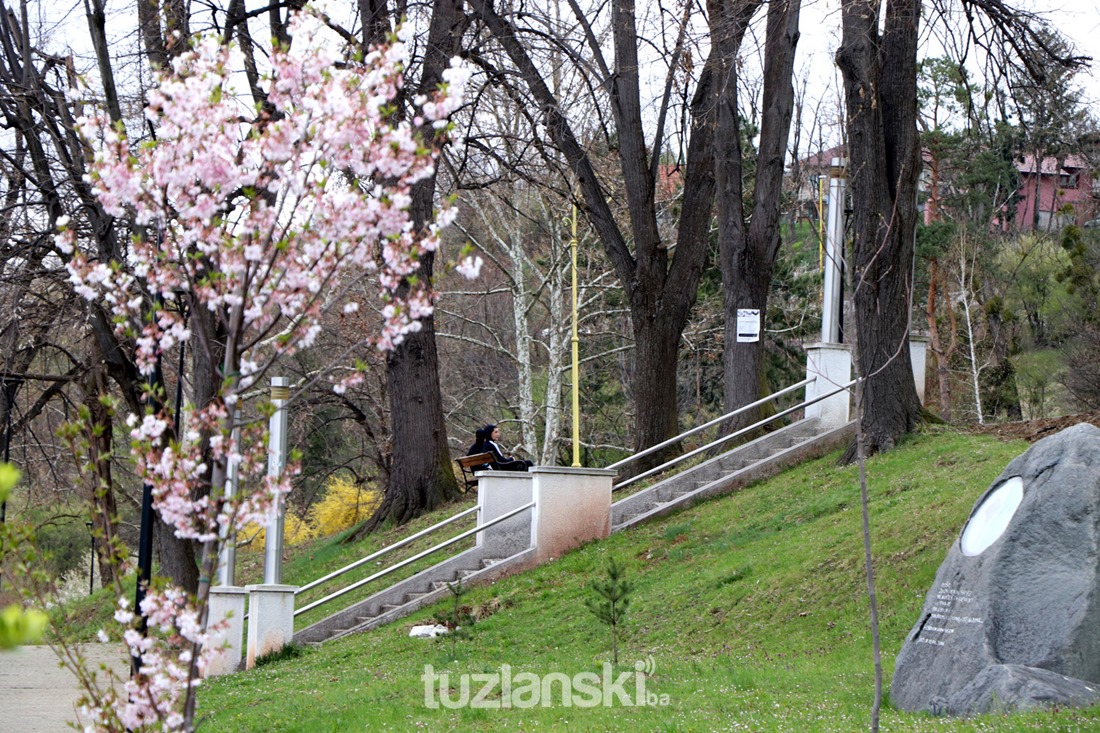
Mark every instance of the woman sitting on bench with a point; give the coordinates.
(486, 442)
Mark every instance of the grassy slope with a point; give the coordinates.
(753, 608)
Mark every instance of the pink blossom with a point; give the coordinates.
(250, 220)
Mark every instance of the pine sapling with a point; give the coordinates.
(459, 621)
(612, 598)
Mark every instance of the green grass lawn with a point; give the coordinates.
(750, 610)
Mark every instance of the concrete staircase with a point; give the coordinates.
(744, 465)
(401, 599)
(735, 469)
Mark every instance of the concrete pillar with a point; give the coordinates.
(918, 354)
(270, 620)
(572, 507)
(499, 492)
(227, 604)
(832, 365)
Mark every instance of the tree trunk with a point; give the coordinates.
(559, 354)
(101, 499)
(880, 73)
(749, 247)
(423, 476)
(656, 343)
(943, 356)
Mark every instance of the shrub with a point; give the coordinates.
(345, 504)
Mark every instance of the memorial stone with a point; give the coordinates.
(1010, 622)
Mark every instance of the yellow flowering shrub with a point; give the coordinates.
(344, 505)
(296, 530)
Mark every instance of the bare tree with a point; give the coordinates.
(748, 233)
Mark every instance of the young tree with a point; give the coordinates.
(266, 222)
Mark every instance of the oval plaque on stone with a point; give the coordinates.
(1011, 620)
(991, 517)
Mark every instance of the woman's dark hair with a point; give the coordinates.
(487, 431)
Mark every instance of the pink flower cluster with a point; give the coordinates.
(266, 219)
(265, 222)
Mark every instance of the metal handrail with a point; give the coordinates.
(735, 434)
(715, 421)
(414, 558)
(384, 550)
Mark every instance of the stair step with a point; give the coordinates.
(490, 561)
(410, 597)
(387, 607)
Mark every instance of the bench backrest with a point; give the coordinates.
(469, 464)
(477, 459)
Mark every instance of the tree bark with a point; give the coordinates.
(101, 499)
(423, 476)
(749, 246)
(880, 83)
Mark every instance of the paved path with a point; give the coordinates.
(37, 696)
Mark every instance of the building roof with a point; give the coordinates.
(1049, 165)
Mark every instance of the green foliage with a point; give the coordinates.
(1037, 373)
(611, 601)
(19, 626)
(9, 477)
(290, 651)
(1081, 272)
(61, 537)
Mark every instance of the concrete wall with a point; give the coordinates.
(499, 492)
(270, 620)
(573, 507)
(832, 365)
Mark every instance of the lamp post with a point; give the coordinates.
(831, 310)
(276, 462)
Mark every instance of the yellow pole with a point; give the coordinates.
(576, 350)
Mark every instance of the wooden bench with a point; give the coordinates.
(469, 464)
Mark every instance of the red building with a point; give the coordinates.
(1057, 192)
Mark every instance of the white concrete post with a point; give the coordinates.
(572, 507)
(270, 620)
(271, 604)
(831, 364)
(499, 492)
(918, 354)
(276, 462)
(834, 254)
(227, 603)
